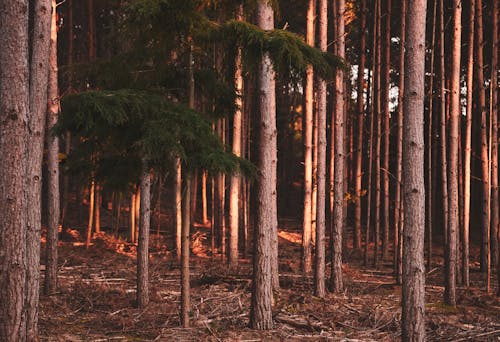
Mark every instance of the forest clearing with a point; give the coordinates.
(249, 170)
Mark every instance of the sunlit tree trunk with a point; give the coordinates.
(143, 245)
(468, 146)
(91, 213)
(185, 282)
(265, 241)
(451, 247)
(132, 216)
(443, 136)
(319, 275)
(53, 109)
(361, 115)
(413, 291)
(178, 206)
(398, 241)
(204, 202)
(336, 280)
(97, 210)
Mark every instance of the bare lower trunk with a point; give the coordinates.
(413, 291)
(204, 202)
(185, 282)
(91, 213)
(178, 207)
(97, 210)
(143, 246)
(132, 217)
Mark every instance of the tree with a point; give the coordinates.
(53, 110)
(336, 280)
(413, 299)
(266, 211)
(451, 247)
(143, 246)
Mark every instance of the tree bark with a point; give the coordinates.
(132, 216)
(53, 109)
(451, 247)
(185, 282)
(413, 292)
(91, 213)
(178, 206)
(143, 245)
(336, 280)
(266, 215)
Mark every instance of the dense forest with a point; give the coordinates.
(259, 170)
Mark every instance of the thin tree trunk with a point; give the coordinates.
(481, 105)
(387, 128)
(53, 109)
(178, 206)
(204, 203)
(336, 280)
(137, 208)
(234, 192)
(451, 247)
(265, 228)
(132, 217)
(319, 275)
(398, 207)
(185, 283)
(91, 213)
(468, 146)
(97, 210)
(413, 291)
(359, 141)
(143, 246)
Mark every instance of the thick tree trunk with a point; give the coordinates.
(387, 128)
(266, 216)
(53, 109)
(319, 275)
(185, 282)
(398, 207)
(468, 146)
(359, 142)
(413, 292)
(234, 192)
(336, 280)
(14, 109)
(451, 247)
(306, 261)
(143, 246)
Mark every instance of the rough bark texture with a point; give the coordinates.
(14, 108)
(266, 215)
(468, 146)
(53, 214)
(185, 282)
(319, 279)
(413, 292)
(451, 247)
(336, 280)
(143, 246)
(308, 148)
(398, 241)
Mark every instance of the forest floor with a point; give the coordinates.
(96, 298)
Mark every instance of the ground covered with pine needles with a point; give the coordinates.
(96, 298)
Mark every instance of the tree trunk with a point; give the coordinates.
(387, 128)
(319, 275)
(137, 209)
(468, 146)
(132, 217)
(266, 216)
(451, 247)
(359, 141)
(91, 213)
(234, 192)
(308, 148)
(178, 206)
(186, 225)
(143, 246)
(336, 281)
(53, 109)
(413, 291)
(204, 202)
(97, 211)
(398, 207)
(14, 111)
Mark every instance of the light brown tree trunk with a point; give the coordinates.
(137, 208)
(359, 142)
(234, 192)
(468, 146)
(306, 261)
(36, 123)
(319, 274)
(451, 247)
(413, 291)
(336, 280)
(266, 215)
(97, 211)
(132, 216)
(204, 202)
(143, 245)
(91, 213)
(185, 282)
(398, 207)
(178, 206)
(387, 128)
(481, 105)
(53, 214)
